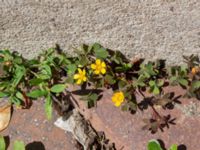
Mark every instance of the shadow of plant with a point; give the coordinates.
(35, 146)
(158, 121)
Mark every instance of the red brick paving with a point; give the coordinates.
(125, 129)
(121, 127)
(31, 125)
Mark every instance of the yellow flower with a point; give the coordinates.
(195, 70)
(80, 76)
(99, 67)
(118, 98)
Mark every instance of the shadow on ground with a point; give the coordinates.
(35, 145)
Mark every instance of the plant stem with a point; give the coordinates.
(156, 112)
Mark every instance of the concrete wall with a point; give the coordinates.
(140, 28)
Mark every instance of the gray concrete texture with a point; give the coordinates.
(151, 29)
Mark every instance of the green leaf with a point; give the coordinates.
(183, 82)
(19, 95)
(70, 80)
(44, 76)
(141, 81)
(109, 79)
(83, 61)
(36, 93)
(45, 72)
(93, 96)
(1, 59)
(90, 104)
(91, 99)
(18, 60)
(48, 107)
(156, 90)
(152, 83)
(196, 85)
(173, 147)
(124, 67)
(58, 88)
(154, 145)
(173, 78)
(19, 73)
(35, 81)
(122, 83)
(19, 145)
(96, 46)
(117, 57)
(2, 143)
(128, 65)
(47, 69)
(90, 47)
(149, 70)
(172, 70)
(119, 69)
(85, 48)
(160, 83)
(50, 51)
(101, 53)
(183, 70)
(32, 62)
(3, 94)
(71, 69)
(16, 100)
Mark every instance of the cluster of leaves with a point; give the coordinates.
(193, 64)
(50, 75)
(18, 145)
(22, 80)
(155, 145)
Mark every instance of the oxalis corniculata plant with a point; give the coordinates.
(95, 68)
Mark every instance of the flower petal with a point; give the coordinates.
(113, 99)
(97, 72)
(79, 70)
(84, 72)
(76, 76)
(121, 96)
(103, 64)
(93, 66)
(98, 61)
(84, 79)
(103, 70)
(117, 104)
(79, 81)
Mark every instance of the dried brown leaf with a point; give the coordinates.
(5, 114)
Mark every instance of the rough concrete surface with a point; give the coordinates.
(140, 28)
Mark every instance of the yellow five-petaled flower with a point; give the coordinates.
(80, 76)
(99, 67)
(118, 98)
